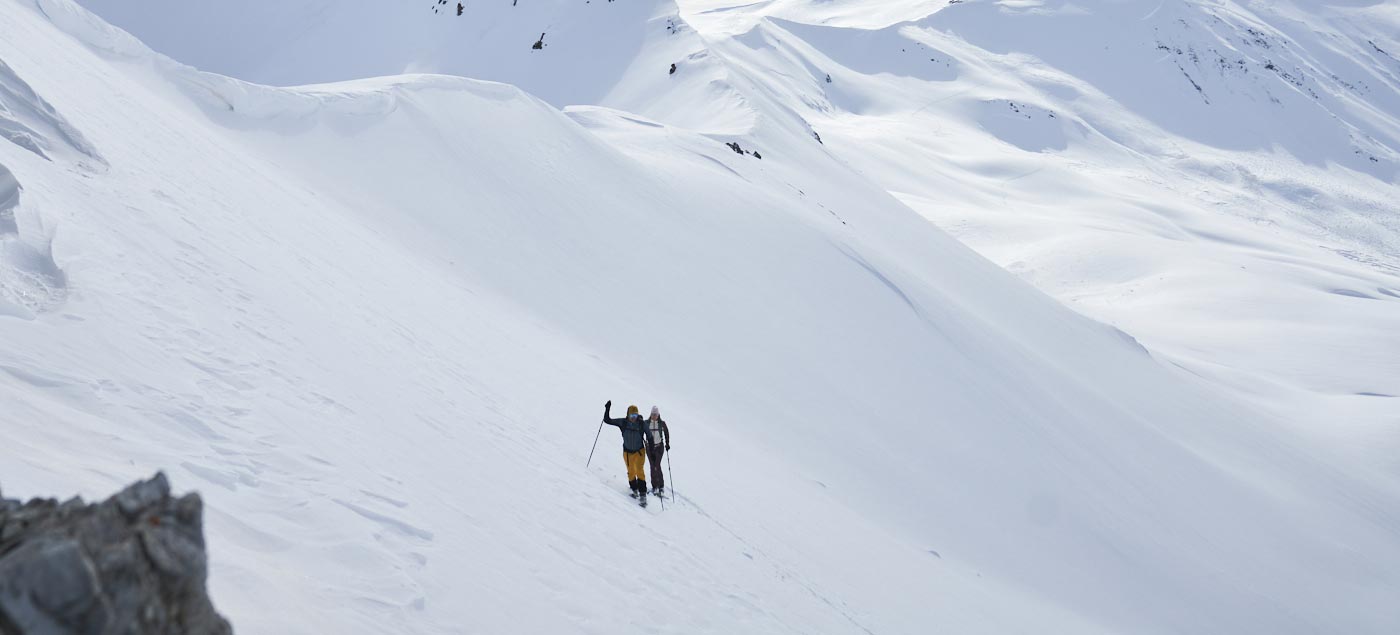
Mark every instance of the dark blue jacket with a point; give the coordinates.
(635, 435)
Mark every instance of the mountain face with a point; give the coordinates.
(375, 307)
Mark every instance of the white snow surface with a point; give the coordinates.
(372, 317)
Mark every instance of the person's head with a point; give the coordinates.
(632, 411)
(655, 413)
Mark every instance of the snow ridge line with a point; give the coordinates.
(372, 97)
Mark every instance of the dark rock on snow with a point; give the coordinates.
(133, 564)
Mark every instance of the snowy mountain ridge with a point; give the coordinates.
(376, 319)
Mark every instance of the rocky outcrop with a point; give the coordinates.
(134, 563)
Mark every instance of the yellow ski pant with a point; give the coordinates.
(636, 465)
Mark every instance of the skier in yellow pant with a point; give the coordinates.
(635, 439)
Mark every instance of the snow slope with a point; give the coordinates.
(374, 319)
(587, 48)
(1218, 178)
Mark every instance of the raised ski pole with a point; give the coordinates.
(595, 444)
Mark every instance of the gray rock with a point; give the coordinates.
(133, 564)
(142, 495)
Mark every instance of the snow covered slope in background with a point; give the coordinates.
(375, 320)
(592, 52)
(1214, 178)
(1218, 178)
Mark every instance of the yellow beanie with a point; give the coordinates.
(631, 410)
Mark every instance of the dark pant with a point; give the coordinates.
(654, 456)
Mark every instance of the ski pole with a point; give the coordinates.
(595, 444)
(670, 476)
